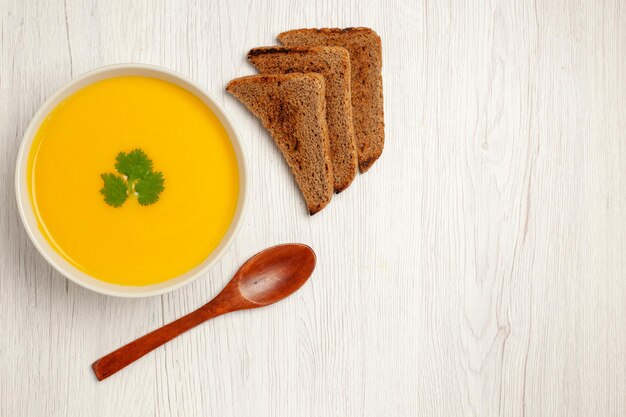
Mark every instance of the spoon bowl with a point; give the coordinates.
(267, 277)
(275, 273)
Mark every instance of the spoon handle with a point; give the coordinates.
(127, 354)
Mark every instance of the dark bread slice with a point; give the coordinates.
(293, 108)
(365, 50)
(334, 64)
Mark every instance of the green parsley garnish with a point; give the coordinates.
(135, 165)
(137, 178)
(149, 188)
(115, 190)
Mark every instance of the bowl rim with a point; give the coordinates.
(26, 208)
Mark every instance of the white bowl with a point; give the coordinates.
(29, 218)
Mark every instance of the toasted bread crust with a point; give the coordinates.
(334, 64)
(365, 49)
(292, 107)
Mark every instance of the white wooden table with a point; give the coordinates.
(476, 270)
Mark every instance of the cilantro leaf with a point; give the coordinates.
(115, 190)
(138, 179)
(135, 165)
(149, 187)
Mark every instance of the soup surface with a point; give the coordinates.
(133, 244)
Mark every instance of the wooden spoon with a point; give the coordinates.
(267, 277)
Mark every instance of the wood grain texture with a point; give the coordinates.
(476, 270)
